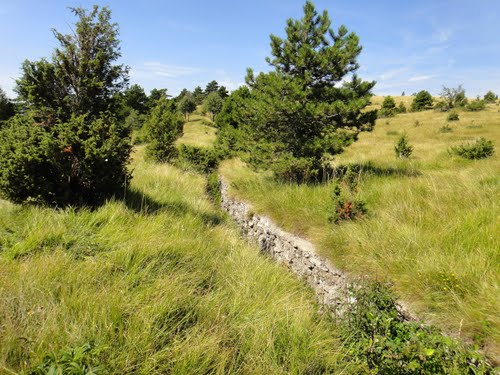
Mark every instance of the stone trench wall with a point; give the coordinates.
(329, 283)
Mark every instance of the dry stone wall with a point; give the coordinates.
(330, 284)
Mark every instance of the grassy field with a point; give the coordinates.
(432, 227)
(160, 282)
(197, 132)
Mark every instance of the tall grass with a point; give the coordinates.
(160, 282)
(433, 223)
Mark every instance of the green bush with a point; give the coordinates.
(381, 339)
(475, 106)
(490, 97)
(78, 162)
(402, 108)
(422, 101)
(445, 129)
(204, 160)
(213, 187)
(299, 170)
(163, 127)
(402, 148)
(388, 108)
(479, 149)
(345, 205)
(453, 116)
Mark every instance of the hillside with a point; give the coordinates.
(432, 224)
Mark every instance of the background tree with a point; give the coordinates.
(388, 108)
(155, 95)
(69, 134)
(490, 97)
(83, 76)
(223, 92)
(212, 86)
(198, 95)
(213, 104)
(423, 100)
(6, 107)
(453, 97)
(401, 107)
(135, 98)
(187, 105)
(163, 127)
(298, 113)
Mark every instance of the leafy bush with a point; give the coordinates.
(82, 360)
(452, 97)
(72, 163)
(422, 101)
(453, 116)
(381, 339)
(163, 127)
(402, 108)
(345, 205)
(479, 149)
(300, 170)
(201, 159)
(490, 97)
(402, 148)
(475, 106)
(388, 108)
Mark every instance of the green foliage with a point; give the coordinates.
(475, 106)
(163, 127)
(346, 206)
(136, 99)
(452, 97)
(187, 105)
(292, 169)
(213, 187)
(82, 77)
(211, 87)
(201, 159)
(198, 95)
(490, 97)
(402, 148)
(70, 163)
(222, 91)
(213, 104)
(82, 360)
(155, 95)
(453, 116)
(6, 107)
(402, 108)
(388, 107)
(381, 338)
(479, 149)
(299, 110)
(422, 101)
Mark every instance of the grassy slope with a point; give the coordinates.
(158, 280)
(197, 132)
(434, 235)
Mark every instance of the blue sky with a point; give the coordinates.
(407, 45)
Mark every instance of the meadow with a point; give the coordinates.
(432, 225)
(158, 282)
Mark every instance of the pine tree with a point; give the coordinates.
(300, 110)
(212, 86)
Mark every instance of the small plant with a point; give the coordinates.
(345, 207)
(382, 339)
(445, 129)
(213, 187)
(392, 132)
(479, 149)
(453, 116)
(402, 148)
(416, 123)
(82, 360)
(201, 159)
(475, 106)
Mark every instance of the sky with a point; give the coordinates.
(408, 46)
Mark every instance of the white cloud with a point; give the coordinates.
(156, 69)
(420, 78)
(392, 73)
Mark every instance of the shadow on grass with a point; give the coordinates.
(143, 204)
(371, 169)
